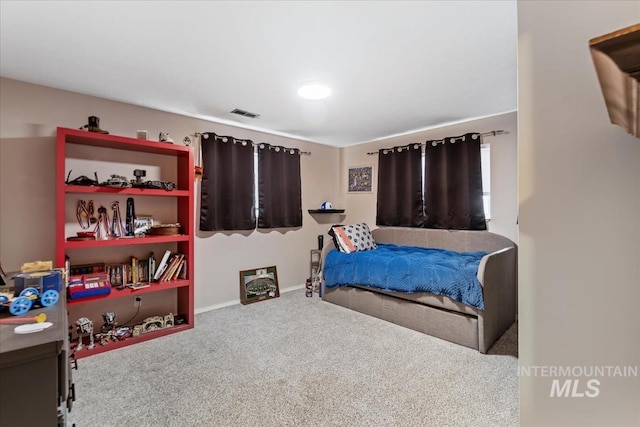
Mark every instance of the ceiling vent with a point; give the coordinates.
(245, 113)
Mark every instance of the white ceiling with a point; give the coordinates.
(394, 67)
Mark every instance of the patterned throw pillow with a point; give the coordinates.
(353, 238)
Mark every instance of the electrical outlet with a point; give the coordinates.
(137, 302)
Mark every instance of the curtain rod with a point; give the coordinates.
(490, 133)
(302, 153)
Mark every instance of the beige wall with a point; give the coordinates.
(504, 174)
(30, 115)
(579, 208)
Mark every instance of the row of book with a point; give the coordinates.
(170, 267)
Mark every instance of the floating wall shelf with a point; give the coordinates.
(325, 211)
(616, 57)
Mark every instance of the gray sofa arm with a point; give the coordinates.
(498, 276)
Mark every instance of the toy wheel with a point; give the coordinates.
(20, 306)
(49, 298)
(4, 299)
(27, 292)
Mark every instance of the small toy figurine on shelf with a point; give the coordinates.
(94, 125)
(164, 137)
(108, 328)
(85, 326)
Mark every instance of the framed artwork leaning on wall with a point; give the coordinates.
(259, 284)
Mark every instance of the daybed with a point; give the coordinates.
(441, 316)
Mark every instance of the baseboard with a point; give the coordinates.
(237, 301)
(292, 288)
(216, 306)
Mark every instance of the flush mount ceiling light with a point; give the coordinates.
(314, 91)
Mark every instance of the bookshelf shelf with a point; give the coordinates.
(127, 292)
(178, 205)
(85, 189)
(113, 345)
(147, 240)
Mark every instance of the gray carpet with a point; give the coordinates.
(297, 361)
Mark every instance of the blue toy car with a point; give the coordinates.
(33, 289)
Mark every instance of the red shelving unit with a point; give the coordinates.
(182, 198)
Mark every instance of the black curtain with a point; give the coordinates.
(226, 192)
(453, 184)
(400, 187)
(279, 187)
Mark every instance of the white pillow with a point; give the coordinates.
(353, 238)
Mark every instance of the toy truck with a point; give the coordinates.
(35, 289)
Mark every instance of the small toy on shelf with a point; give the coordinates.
(39, 288)
(123, 332)
(108, 328)
(116, 181)
(94, 125)
(82, 180)
(164, 137)
(85, 327)
(155, 323)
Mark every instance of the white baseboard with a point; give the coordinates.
(292, 288)
(216, 306)
(237, 301)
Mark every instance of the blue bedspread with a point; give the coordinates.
(409, 269)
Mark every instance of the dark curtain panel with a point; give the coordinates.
(453, 184)
(226, 196)
(400, 187)
(279, 187)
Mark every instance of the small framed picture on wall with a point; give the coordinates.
(360, 179)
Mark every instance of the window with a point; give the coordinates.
(243, 181)
(256, 208)
(485, 160)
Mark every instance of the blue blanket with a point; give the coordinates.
(409, 269)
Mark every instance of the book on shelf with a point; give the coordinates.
(172, 266)
(78, 270)
(143, 270)
(162, 265)
(151, 270)
(139, 285)
(134, 270)
(176, 275)
(182, 274)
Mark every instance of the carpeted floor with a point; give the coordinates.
(297, 361)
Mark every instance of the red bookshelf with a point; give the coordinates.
(180, 290)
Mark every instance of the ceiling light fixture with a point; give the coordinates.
(314, 91)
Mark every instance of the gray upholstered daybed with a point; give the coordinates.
(441, 316)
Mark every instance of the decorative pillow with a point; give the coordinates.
(353, 238)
